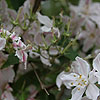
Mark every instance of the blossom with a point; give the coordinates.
(25, 10)
(82, 78)
(87, 9)
(90, 35)
(48, 24)
(20, 48)
(6, 15)
(83, 8)
(96, 66)
(45, 56)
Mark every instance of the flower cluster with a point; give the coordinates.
(82, 78)
(86, 14)
(35, 47)
(18, 45)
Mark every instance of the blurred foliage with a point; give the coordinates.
(12, 60)
(47, 75)
(48, 7)
(15, 4)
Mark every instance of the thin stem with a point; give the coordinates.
(42, 85)
(89, 57)
(69, 45)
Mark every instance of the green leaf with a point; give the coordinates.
(12, 60)
(50, 7)
(9, 4)
(15, 4)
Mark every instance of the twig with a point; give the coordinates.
(42, 85)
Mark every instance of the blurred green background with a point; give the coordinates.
(48, 7)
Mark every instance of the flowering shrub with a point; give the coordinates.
(48, 55)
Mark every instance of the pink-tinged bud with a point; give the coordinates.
(13, 37)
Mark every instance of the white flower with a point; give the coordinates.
(44, 57)
(88, 10)
(25, 10)
(4, 15)
(48, 24)
(90, 36)
(96, 66)
(21, 48)
(82, 78)
(21, 52)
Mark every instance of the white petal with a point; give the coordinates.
(95, 8)
(56, 31)
(71, 76)
(75, 67)
(68, 84)
(96, 63)
(45, 61)
(84, 67)
(45, 20)
(83, 3)
(33, 54)
(90, 26)
(97, 74)
(53, 51)
(83, 34)
(2, 43)
(22, 55)
(88, 43)
(49, 39)
(96, 19)
(58, 80)
(45, 29)
(19, 54)
(92, 91)
(77, 93)
(74, 10)
(92, 77)
(38, 39)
